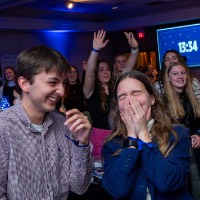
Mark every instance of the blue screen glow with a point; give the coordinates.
(4, 103)
(185, 39)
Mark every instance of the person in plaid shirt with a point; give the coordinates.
(43, 154)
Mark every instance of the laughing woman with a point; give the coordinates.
(145, 156)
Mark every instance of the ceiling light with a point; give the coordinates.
(70, 5)
(114, 7)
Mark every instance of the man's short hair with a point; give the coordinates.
(37, 59)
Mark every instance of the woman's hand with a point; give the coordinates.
(140, 119)
(131, 40)
(195, 141)
(127, 118)
(98, 41)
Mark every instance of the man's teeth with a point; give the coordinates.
(52, 98)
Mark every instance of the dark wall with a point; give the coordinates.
(77, 46)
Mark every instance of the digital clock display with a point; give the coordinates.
(185, 39)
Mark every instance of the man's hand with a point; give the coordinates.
(78, 125)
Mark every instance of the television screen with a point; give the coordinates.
(185, 39)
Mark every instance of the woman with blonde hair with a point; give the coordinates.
(185, 109)
(145, 156)
(173, 55)
(175, 94)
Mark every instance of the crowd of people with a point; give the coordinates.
(57, 125)
(149, 71)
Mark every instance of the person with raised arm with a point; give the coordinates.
(98, 88)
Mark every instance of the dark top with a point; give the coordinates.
(98, 117)
(128, 174)
(8, 91)
(75, 98)
(190, 121)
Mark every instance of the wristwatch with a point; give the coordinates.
(128, 143)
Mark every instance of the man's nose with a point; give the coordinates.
(61, 90)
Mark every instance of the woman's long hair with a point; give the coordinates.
(162, 124)
(103, 95)
(174, 102)
(66, 94)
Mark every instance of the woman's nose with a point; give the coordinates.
(180, 75)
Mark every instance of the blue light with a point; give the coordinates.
(4, 104)
(57, 40)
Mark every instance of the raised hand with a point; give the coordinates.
(131, 40)
(78, 125)
(98, 41)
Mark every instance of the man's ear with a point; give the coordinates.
(23, 84)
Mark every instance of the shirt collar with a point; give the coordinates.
(150, 125)
(22, 115)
